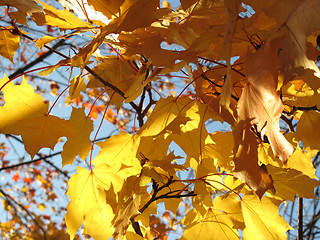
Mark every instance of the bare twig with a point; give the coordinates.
(9, 198)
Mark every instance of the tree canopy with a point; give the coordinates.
(163, 78)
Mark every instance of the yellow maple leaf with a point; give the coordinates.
(213, 225)
(231, 205)
(262, 219)
(78, 135)
(45, 40)
(9, 43)
(289, 182)
(117, 72)
(308, 129)
(25, 7)
(120, 150)
(62, 19)
(77, 85)
(88, 201)
(300, 160)
(130, 208)
(221, 149)
(25, 113)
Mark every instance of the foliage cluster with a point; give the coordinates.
(248, 64)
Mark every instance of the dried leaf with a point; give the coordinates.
(260, 101)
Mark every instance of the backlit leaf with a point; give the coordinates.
(214, 225)
(78, 142)
(88, 201)
(25, 114)
(289, 182)
(262, 219)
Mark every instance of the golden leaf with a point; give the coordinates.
(62, 19)
(78, 142)
(214, 225)
(77, 85)
(25, 113)
(262, 219)
(9, 43)
(289, 182)
(88, 201)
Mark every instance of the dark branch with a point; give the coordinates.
(9, 198)
(294, 109)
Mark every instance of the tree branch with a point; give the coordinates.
(294, 109)
(9, 198)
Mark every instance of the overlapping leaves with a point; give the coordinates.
(109, 196)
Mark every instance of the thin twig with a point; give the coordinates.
(9, 198)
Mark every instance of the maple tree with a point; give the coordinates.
(162, 76)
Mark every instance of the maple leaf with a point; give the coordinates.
(307, 129)
(129, 209)
(207, 95)
(298, 25)
(25, 7)
(230, 204)
(246, 159)
(259, 100)
(88, 201)
(107, 7)
(300, 160)
(136, 14)
(77, 85)
(9, 43)
(213, 225)
(289, 182)
(62, 19)
(117, 72)
(120, 150)
(232, 16)
(25, 113)
(262, 219)
(78, 135)
(221, 149)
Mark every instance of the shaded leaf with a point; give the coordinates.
(9, 43)
(62, 19)
(77, 85)
(246, 160)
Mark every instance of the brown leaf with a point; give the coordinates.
(246, 159)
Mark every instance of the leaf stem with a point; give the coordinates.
(57, 100)
(95, 137)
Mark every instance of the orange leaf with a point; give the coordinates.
(260, 101)
(246, 159)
